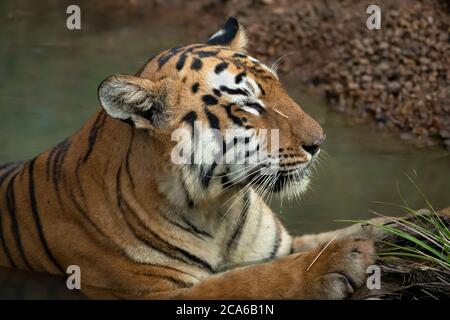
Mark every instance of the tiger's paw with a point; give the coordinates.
(340, 268)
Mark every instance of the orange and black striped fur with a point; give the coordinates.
(110, 200)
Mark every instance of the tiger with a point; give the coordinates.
(111, 200)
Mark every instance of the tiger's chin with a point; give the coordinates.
(289, 184)
(291, 187)
(294, 189)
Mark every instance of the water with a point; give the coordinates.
(361, 168)
(48, 81)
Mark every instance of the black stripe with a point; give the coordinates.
(71, 195)
(15, 230)
(196, 64)
(172, 52)
(250, 153)
(122, 203)
(77, 205)
(240, 222)
(36, 217)
(224, 181)
(54, 170)
(165, 267)
(214, 123)
(197, 230)
(239, 77)
(230, 146)
(127, 160)
(231, 91)
(256, 106)
(209, 100)
(190, 119)
(206, 175)
(167, 56)
(236, 120)
(85, 215)
(195, 87)
(186, 257)
(177, 282)
(185, 254)
(182, 227)
(49, 162)
(206, 54)
(181, 61)
(189, 200)
(4, 246)
(57, 156)
(11, 167)
(99, 121)
(277, 241)
(220, 67)
(261, 89)
(195, 46)
(212, 119)
(3, 177)
(217, 92)
(239, 55)
(224, 151)
(200, 234)
(58, 159)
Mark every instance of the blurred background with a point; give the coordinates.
(382, 96)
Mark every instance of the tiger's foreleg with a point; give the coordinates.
(333, 273)
(364, 230)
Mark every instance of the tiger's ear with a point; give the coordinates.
(232, 34)
(137, 99)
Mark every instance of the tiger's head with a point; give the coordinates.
(200, 101)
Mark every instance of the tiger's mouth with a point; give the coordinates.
(289, 182)
(284, 179)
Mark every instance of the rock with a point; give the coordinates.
(393, 87)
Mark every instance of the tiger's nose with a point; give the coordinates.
(314, 148)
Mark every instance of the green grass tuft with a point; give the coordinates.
(414, 254)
